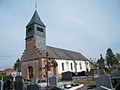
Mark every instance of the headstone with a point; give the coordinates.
(104, 80)
(115, 73)
(34, 87)
(18, 78)
(34, 80)
(117, 87)
(53, 81)
(76, 78)
(8, 85)
(67, 75)
(10, 77)
(83, 73)
(19, 85)
(1, 85)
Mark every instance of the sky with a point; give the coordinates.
(86, 26)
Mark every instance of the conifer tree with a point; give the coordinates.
(17, 65)
(111, 59)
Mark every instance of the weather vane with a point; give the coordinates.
(35, 6)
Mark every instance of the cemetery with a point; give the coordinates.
(101, 82)
(43, 67)
(96, 79)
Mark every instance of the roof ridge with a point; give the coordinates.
(63, 49)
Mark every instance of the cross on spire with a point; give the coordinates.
(35, 6)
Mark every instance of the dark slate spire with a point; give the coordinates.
(36, 19)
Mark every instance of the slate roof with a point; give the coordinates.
(35, 19)
(57, 53)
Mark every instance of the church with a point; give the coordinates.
(39, 60)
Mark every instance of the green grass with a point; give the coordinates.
(84, 82)
(79, 82)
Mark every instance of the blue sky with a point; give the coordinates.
(86, 26)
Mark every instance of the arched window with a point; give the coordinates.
(80, 65)
(30, 72)
(71, 66)
(63, 66)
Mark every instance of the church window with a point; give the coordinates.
(29, 29)
(63, 66)
(80, 65)
(39, 29)
(71, 66)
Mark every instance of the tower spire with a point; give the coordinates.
(35, 20)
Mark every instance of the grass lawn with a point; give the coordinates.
(84, 82)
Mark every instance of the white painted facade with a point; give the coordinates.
(69, 65)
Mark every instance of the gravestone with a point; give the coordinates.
(53, 81)
(117, 87)
(67, 75)
(83, 73)
(34, 87)
(19, 83)
(104, 80)
(8, 85)
(10, 77)
(1, 85)
(116, 78)
(18, 78)
(115, 73)
(34, 80)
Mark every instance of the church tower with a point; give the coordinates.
(35, 42)
(35, 31)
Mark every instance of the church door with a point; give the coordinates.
(30, 71)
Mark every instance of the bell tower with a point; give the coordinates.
(36, 33)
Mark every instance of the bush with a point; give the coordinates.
(0, 77)
(3, 77)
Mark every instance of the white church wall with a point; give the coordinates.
(60, 66)
(67, 65)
